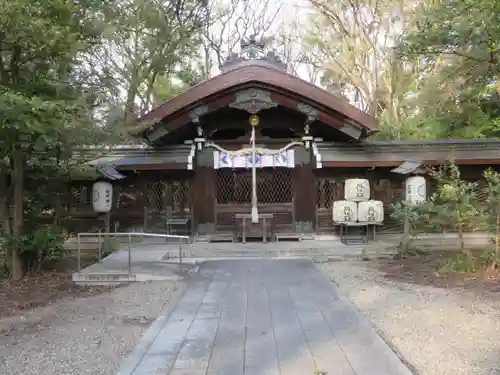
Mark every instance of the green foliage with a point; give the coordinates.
(462, 262)
(46, 104)
(454, 204)
(42, 104)
(148, 52)
(441, 80)
(491, 217)
(458, 44)
(38, 248)
(418, 218)
(492, 191)
(468, 261)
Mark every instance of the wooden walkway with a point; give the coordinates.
(263, 317)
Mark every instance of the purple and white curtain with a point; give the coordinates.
(285, 159)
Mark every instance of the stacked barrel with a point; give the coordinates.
(357, 207)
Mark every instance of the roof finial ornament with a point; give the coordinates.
(253, 49)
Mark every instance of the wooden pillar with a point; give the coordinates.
(304, 183)
(204, 183)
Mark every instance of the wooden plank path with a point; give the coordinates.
(263, 317)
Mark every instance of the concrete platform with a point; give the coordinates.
(154, 258)
(159, 260)
(262, 317)
(146, 265)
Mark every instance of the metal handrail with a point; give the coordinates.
(129, 235)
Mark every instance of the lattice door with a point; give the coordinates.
(274, 185)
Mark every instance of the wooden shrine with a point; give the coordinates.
(206, 163)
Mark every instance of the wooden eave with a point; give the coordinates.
(285, 89)
(391, 154)
(376, 154)
(134, 159)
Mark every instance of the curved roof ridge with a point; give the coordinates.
(263, 73)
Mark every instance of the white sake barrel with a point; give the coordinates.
(102, 196)
(357, 190)
(345, 212)
(416, 189)
(371, 212)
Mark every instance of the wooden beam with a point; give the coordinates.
(395, 163)
(154, 166)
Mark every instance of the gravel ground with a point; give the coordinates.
(438, 331)
(83, 335)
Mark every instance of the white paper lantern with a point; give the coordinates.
(344, 212)
(357, 190)
(102, 196)
(371, 212)
(416, 189)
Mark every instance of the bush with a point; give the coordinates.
(467, 261)
(39, 248)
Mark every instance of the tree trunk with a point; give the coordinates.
(18, 216)
(405, 243)
(5, 215)
(497, 233)
(461, 238)
(129, 110)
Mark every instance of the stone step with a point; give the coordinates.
(104, 278)
(110, 277)
(288, 237)
(346, 252)
(221, 237)
(203, 238)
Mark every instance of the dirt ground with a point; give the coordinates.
(425, 269)
(16, 297)
(38, 291)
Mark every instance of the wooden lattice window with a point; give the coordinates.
(169, 196)
(81, 195)
(274, 185)
(328, 191)
(127, 197)
(382, 190)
